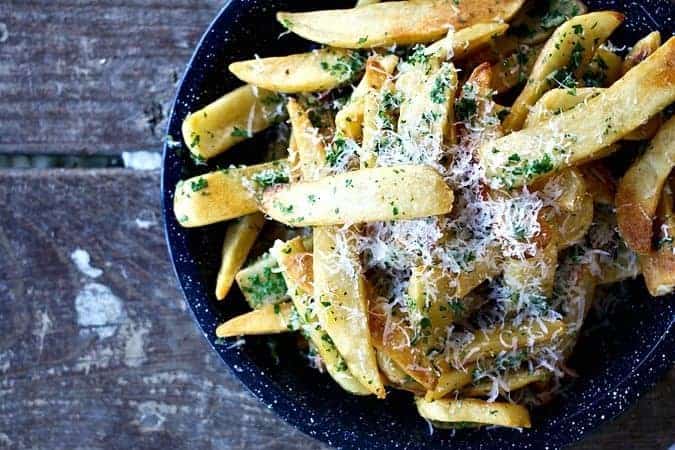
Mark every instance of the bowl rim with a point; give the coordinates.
(648, 371)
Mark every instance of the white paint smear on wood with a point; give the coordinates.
(152, 415)
(98, 309)
(142, 160)
(134, 342)
(44, 324)
(82, 260)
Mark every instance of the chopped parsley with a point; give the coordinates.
(345, 68)
(270, 177)
(262, 288)
(238, 132)
(199, 184)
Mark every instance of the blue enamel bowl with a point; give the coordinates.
(618, 357)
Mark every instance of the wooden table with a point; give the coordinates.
(103, 353)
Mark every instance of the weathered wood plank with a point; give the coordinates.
(114, 360)
(106, 355)
(84, 76)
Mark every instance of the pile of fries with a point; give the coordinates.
(432, 235)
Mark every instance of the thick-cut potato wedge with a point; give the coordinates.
(578, 135)
(261, 283)
(640, 189)
(239, 240)
(378, 114)
(603, 69)
(396, 376)
(575, 41)
(658, 267)
(270, 319)
(292, 257)
(388, 193)
(451, 380)
(514, 68)
(308, 155)
(349, 120)
(466, 41)
(641, 50)
(557, 101)
(398, 22)
(318, 70)
(230, 119)
(474, 411)
(534, 276)
(426, 119)
(224, 194)
(342, 305)
(512, 381)
(488, 343)
(392, 336)
(536, 21)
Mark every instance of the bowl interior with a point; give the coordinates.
(619, 355)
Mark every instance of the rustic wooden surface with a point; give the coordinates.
(106, 355)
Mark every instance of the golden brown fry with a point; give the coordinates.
(603, 69)
(229, 120)
(261, 284)
(451, 380)
(466, 41)
(391, 335)
(474, 411)
(658, 267)
(239, 240)
(515, 67)
(569, 49)
(397, 377)
(512, 382)
(600, 182)
(388, 193)
(640, 189)
(270, 319)
(584, 133)
(308, 154)
(534, 275)
(377, 114)
(224, 194)
(318, 70)
(641, 50)
(349, 120)
(299, 278)
(396, 22)
(342, 303)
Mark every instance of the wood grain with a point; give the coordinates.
(89, 76)
(144, 377)
(151, 381)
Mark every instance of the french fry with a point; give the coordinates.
(231, 119)
(349, 120)
(224, 194)
(640, 188)
(270, 319)
(557, 101)
(658, 267)
(466, 41)
(397, 22)
(514, 68)
(568, 50)
(426, 118)
(512, 382)
(584, 133)
(360, 3)
(451, 380)
(395, 376)
(534, 23)
(292, 260)
(488, 343)
(389, 193)
(474, 411)
(308, 153)
(342, 303)
(391, 335)
(534, 276)
(239, 239)
(318, 70)
(261, 283)
(603, 69)
(641, 50)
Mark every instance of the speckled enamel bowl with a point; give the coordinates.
(617, 358)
